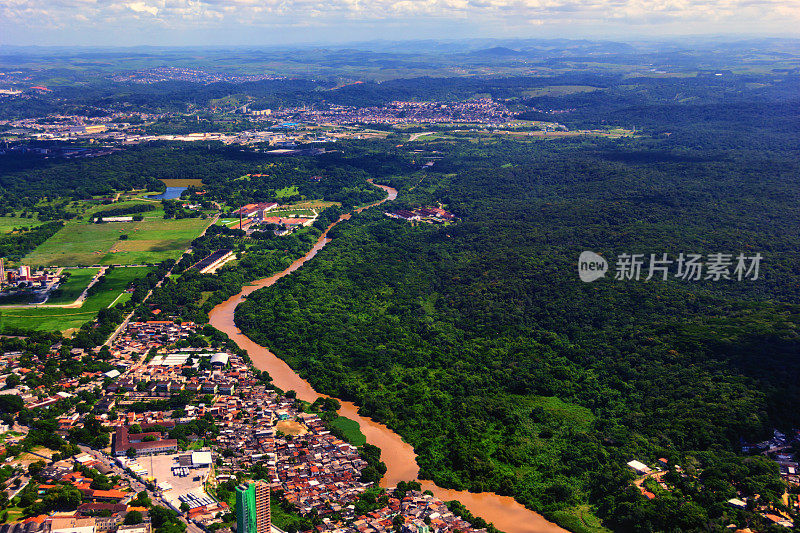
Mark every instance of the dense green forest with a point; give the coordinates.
(479, 344)
(25, 181)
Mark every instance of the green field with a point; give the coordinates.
(149, 241)
(351, 430)
(61, 318)
(7, 224)
(69, 291)
(158, 212)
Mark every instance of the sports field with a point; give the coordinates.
(61, 318)
(149, 241)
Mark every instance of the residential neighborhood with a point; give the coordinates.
(178, 427)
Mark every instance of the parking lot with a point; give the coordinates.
(161, 468)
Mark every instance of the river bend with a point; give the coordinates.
(504, 512)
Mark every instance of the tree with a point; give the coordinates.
(12, 381)
(185, 507)
(141, 500)
(35, 468)
(133, 517)
(101, 482)
(131, 453)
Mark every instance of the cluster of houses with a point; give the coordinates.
(100, 510)
(657, 473)
(318, 472)
(431, 215)
(139, 337)
(418, 512)
(165, 375)
(13, 374)
(315, 469)
(479, 110)
(780, 448)
(253, 215)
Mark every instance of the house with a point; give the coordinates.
(737, 503)
(639, 468)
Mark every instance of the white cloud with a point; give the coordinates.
(680, 16)
(141, 7)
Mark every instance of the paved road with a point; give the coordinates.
(415, 136)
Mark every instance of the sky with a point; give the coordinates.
(282, 22)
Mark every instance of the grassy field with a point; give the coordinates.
(62, 319)
(149, 241)
(127, 203)
(350, 429)
(69, 291)
(7, 224)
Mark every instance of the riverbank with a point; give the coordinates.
(504, 512)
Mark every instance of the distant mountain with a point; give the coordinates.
(497, 51)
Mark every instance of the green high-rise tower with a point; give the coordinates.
(252, 508)
(246, 508)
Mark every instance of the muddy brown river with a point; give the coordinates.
(504, 512)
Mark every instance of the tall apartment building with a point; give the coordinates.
(252, 508)
(263, 516)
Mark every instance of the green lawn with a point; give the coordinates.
(7, 224)
(149, 241)
(69, 291)
(62, 319)
(351, 430)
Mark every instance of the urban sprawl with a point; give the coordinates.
(196, 431)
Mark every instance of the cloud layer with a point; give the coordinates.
(409, 18)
